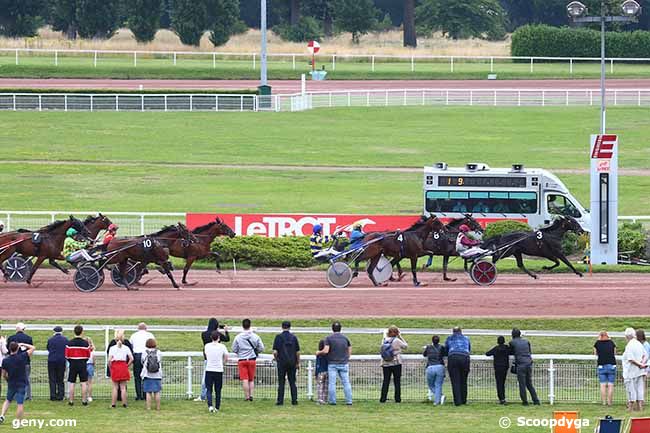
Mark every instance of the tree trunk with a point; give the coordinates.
(328, 26)
(410, 39)
(295, 12)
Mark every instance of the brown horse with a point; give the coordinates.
(45, 243)
(399, 244)
(204, 234)
(95, 224)
(147, 249)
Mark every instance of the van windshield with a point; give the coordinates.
(560, 205)
(502, 202)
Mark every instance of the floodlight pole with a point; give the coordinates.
(263, 75)
(603, 105)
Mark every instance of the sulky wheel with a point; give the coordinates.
(133, 274)
(383, 271)
(339, 275)
(88, 278)
(483, 272)
(17, 269)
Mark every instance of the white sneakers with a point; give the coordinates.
(442, 399)
(212, 409)
(90, 399)
(198, 399)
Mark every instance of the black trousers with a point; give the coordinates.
(396, 372)
(214, 379)
(525, 379)
(288, 371)
(458, 366)
(500, 373)
(137, 370)
(56, 375)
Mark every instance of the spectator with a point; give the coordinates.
(520, 348)
(338, 350)
(56, 363)
(321, 374)
(3, 352)
(90, 368)
(112, 343)
(501, 363)
(21, 337)
(206, 337)
(119, 358)
(640, 335)
(458, 348)
(391, 363)
(435, 372)
(247, 346)
(605, 349)
(634, 365)
(13, 369)
(77, 352)
(216, 355)
(286, 352)
(152, 373)
(139, 343)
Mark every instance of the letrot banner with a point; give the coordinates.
(277, 225)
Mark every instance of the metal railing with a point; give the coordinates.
(464, 97)
(131, 223)
(557, 378)
(299, 61)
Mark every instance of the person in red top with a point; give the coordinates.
(77, 352)
(465, 245)
(108, 237)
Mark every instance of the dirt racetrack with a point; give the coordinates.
(306, 294)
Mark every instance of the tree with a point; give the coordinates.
(143, 18)
(322, 10)
(20, 17)
(295, 12)
(461, 19)
(410, 39)
(223, 16)
(63, 14)
(97, 18)
(356, 16)
(189, 20)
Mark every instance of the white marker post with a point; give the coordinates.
(604, 199)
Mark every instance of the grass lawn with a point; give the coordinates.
(202, 67)
(262, 416)
(550, 137)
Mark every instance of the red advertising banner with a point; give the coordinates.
(276, 225)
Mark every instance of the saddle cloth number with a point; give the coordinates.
(36, 238)
(400, 238)
(539, 235)
(147, 244)
(436, 235)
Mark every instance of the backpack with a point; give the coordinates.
(387, 353)
(153, 365)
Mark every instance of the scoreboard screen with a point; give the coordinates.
(483, 181)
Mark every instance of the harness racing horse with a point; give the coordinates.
(200, 249)
(545, 242)
(95, 224)
(45, 243)
(400, 244)
(147, 249)
(443, 242)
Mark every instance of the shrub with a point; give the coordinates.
(547, 41)
(307, 29)
(574, 244)
(259, 251)
(632, 240)
(506, 226)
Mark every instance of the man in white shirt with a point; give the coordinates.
(634, 364)
(139, 342)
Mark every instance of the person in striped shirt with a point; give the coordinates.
(316, 241)
(77, 352)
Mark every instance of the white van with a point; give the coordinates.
(533, 195)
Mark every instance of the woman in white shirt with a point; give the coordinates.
(216, 356)
(119, 359)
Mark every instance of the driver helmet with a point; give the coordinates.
(464, 228)
(357, 226)
(318, 229)
(113, 228)
(71, 232)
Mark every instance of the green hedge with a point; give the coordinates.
(547, 41)
(505, 226)
(259, 251)
(632, 239)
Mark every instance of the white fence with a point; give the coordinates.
(557, 378)
(294, 60)
(131, 223)
(311, 100)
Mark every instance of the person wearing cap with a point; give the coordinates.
(74, 248)
(139, 342)
(21, 338)
(356, 236)
(110, 234)
(316, 241)
(465, 245)
(56, 363)
(286, 352)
